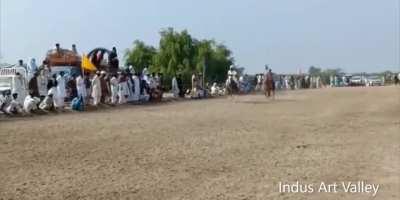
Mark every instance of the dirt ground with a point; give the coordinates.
(227, 148)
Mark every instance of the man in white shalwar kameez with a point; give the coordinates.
(61, 93)
(317, 82)
(287, 85)
(18, 87)
(233, 74)
(123, 89)
(53, 92)
(114, 90)
(42, 80)
(32, 68)
(214, 89)
(145, 74)
(81, 87)
(136, 84)
(194, 84)
(56, 99)
(14, 107)
(130, 83)
(175, 88)
(259, 82)
(31, 103)
(47, 103)
(152, 81)
(96, 89)
(22, 64)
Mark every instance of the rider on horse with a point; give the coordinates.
(232, 82)
(269, 83)
(232, 73)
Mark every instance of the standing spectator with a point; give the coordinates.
(33, 86)
(18, 83)
(32, 67)
(396, 79)
(81, 87)
(43, 80)
(96, 89)
(114, 89)
(136, 86)
(61, 93)
(104, 87)
(175, 88)
(179, 82)
(123, 89)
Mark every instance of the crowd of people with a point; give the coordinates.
(46, 92)
(290, 82)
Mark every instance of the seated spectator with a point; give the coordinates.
(14, 107)
(31, 103)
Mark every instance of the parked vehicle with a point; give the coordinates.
(374, 81)
(7, 80)
(357, 81)
(66, 60)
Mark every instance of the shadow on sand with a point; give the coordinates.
(265, 101)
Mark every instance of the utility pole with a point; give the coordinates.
(0, 31)
(204, 73)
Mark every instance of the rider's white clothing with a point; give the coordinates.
(232, 73)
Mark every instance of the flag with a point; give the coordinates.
(87, 64)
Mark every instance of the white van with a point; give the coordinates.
(7, 80)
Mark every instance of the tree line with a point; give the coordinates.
(180, 53)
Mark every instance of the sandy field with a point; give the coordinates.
(227, 148)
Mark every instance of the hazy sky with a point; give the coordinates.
(356, 35)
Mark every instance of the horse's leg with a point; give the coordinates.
(273, 94)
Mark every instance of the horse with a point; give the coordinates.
(269, 85)
(231, 87)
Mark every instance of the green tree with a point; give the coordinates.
(216, 58)
(140, 56)
(327, 73)
(180, 53)
(314, 71)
